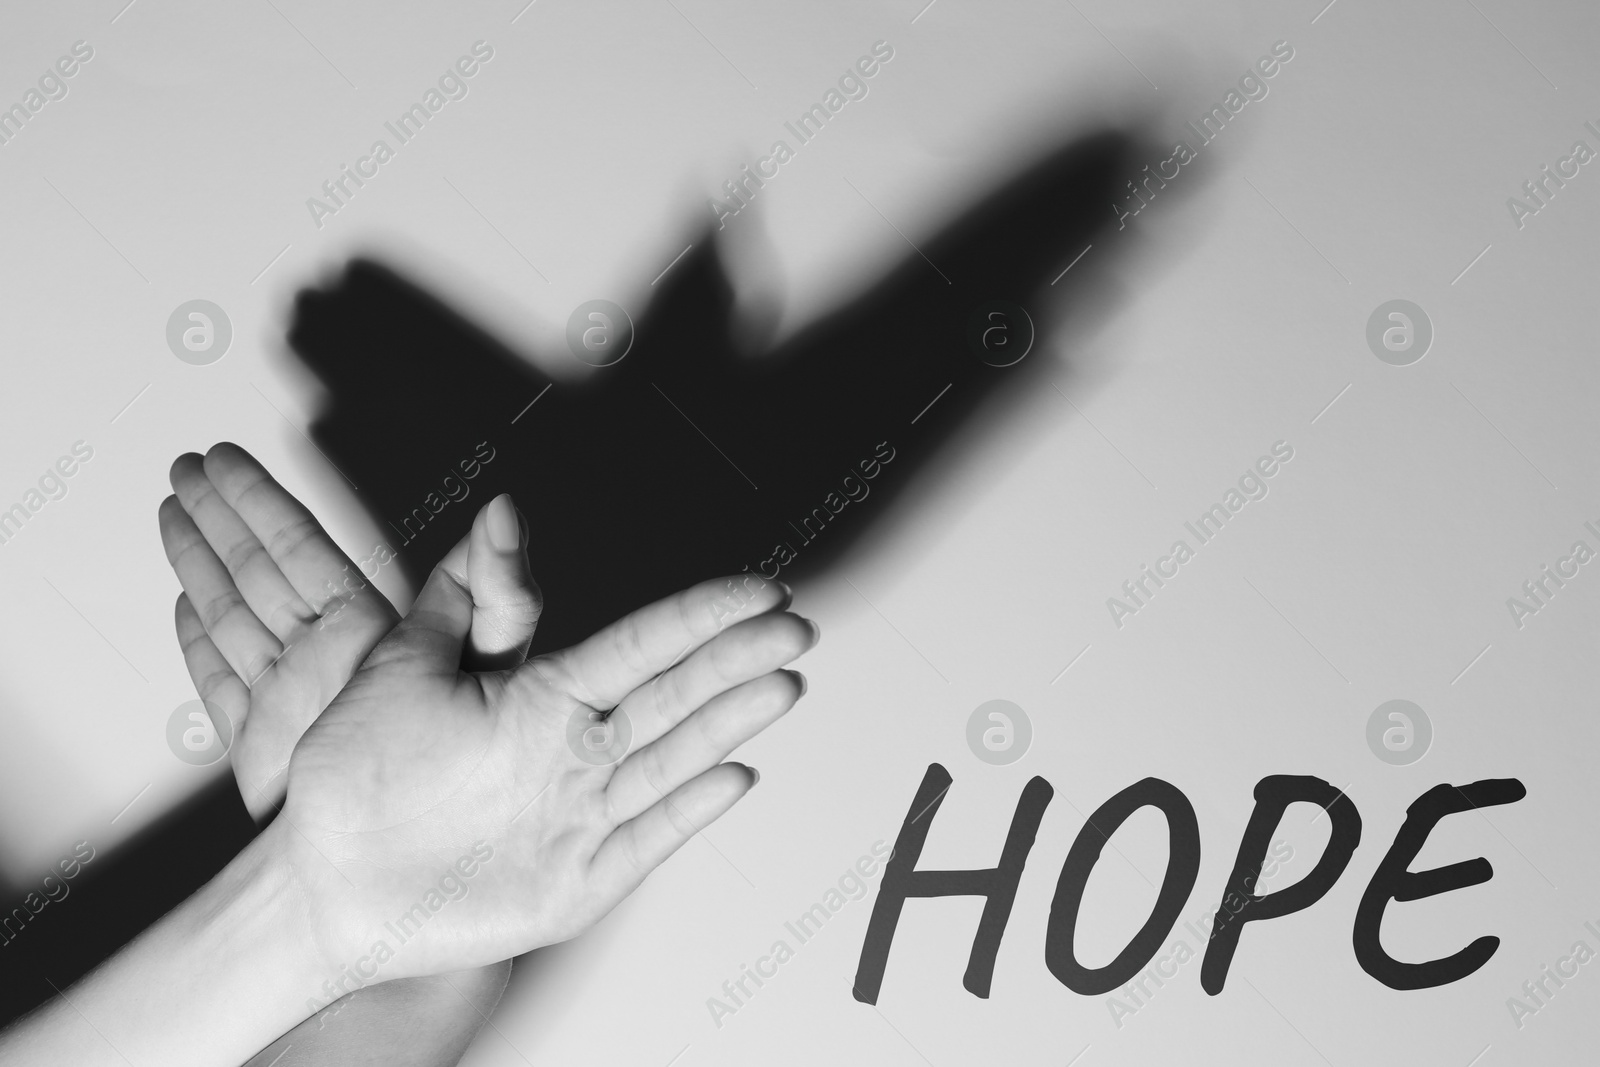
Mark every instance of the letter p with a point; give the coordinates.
(1274, 794)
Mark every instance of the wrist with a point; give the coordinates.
(330, 945)
(247, 940)
(217, 978)
(259, 909)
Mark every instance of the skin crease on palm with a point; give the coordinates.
(415, 760)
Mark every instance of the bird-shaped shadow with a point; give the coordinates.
(695, 456)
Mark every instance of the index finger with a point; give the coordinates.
(293, 538)
(604, 668)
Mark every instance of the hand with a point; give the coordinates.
(274, 618)
(417, 765)
(228, 508)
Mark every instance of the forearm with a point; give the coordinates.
(409, 1022)
(217, 978)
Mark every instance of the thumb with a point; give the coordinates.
(479, 606)
(506, 601)
(432, 633)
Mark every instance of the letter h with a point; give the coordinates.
(901, 880)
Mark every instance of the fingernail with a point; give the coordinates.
(504, 532)
(816, 631)
(755, 776)
(804, 684)
(788, 592)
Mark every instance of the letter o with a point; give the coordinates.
(1183, 867)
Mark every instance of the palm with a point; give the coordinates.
(395, 791)
(415, 764)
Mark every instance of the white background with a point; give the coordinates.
(1378, 567)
